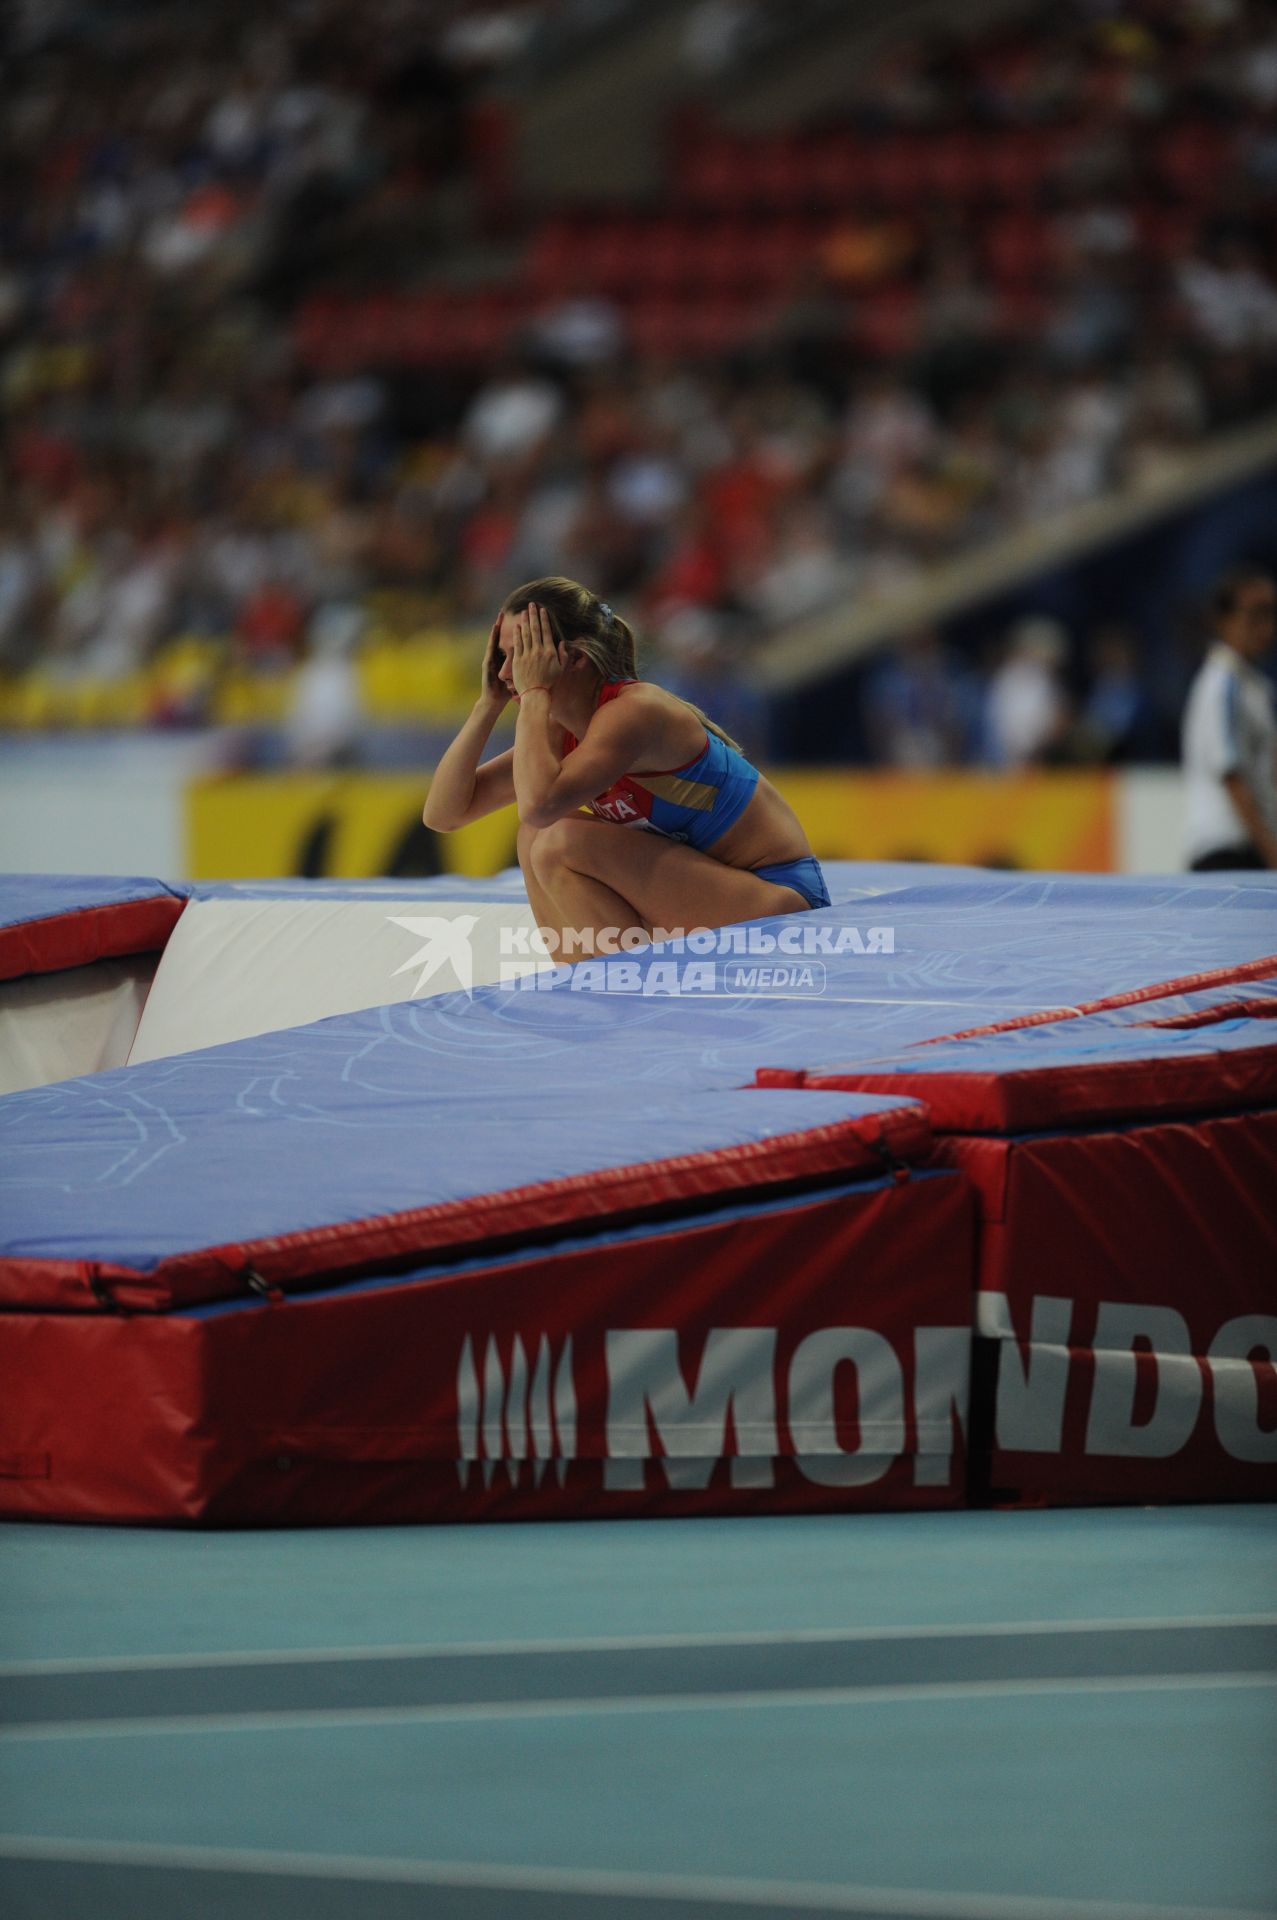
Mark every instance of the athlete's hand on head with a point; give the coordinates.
(495, 689)
(535, 658)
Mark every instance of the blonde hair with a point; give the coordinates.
(586, 624)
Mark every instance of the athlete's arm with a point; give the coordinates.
(462, 790)
(491, 785)
(548, 787)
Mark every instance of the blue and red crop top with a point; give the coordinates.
(696, 802)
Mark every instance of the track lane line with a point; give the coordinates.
(709, 1890)
(625, 1643)
(600, 1705)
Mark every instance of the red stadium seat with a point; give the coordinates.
(1167, 233)
(317, 322)
(666, 254)
(655, 324)
(896, 169)
(779, 174)
(1024, 312)
(780, 248)
(1018, 163)
(487, 321)
(954, 164)
(1191, 158)
(718, 326)
(554, 247)
(836, 171)
(695, 326)
(715, 175)
(886, 323)
(724, 254)
(605, 257)
(1017, 247)
(430, 328)
(751, 255)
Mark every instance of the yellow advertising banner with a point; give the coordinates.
(356, 825)
(341, 826)
(1065, 821)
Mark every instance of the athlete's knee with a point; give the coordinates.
(525, 845)
(558, 845)
(542, 849)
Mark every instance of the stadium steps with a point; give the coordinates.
(813, 650)
(789, 85)
(596, 132)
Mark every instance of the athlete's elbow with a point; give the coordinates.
(542, 810)
(438, 820)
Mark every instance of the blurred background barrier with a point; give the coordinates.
(98, 813)
(361, 824)
(347, 826)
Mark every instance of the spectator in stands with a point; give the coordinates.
(512, 415)
(1057, 469)
(693, 573)
(1027, 709)
(888, 429)
(811, 334)
(488, 37)
(1166, 411)
(323, 720)
(958, 345)
(1093, 312)
(1230, 734)
(974, 467)
(1257, 150)
(806, 573)
(19, 584)
(1117, 723)
(582, 329)
(647, 484)
(717, 33)
(1231, 302)
(920, 705)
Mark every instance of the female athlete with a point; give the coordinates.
(721, 846)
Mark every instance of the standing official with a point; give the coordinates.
(1230, 734)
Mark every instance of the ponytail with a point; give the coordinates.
(709, 726)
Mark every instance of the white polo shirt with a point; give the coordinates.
(1229, 727)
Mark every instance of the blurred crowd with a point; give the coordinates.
(175, 182)
(1028, 703)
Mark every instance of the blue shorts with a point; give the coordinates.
(804, 876)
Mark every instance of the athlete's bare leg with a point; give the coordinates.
(599, 876)
(543, 907)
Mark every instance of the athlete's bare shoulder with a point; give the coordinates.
(671, 732)
(645, 696)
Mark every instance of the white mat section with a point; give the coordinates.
(56, 1026)
(235, 968)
